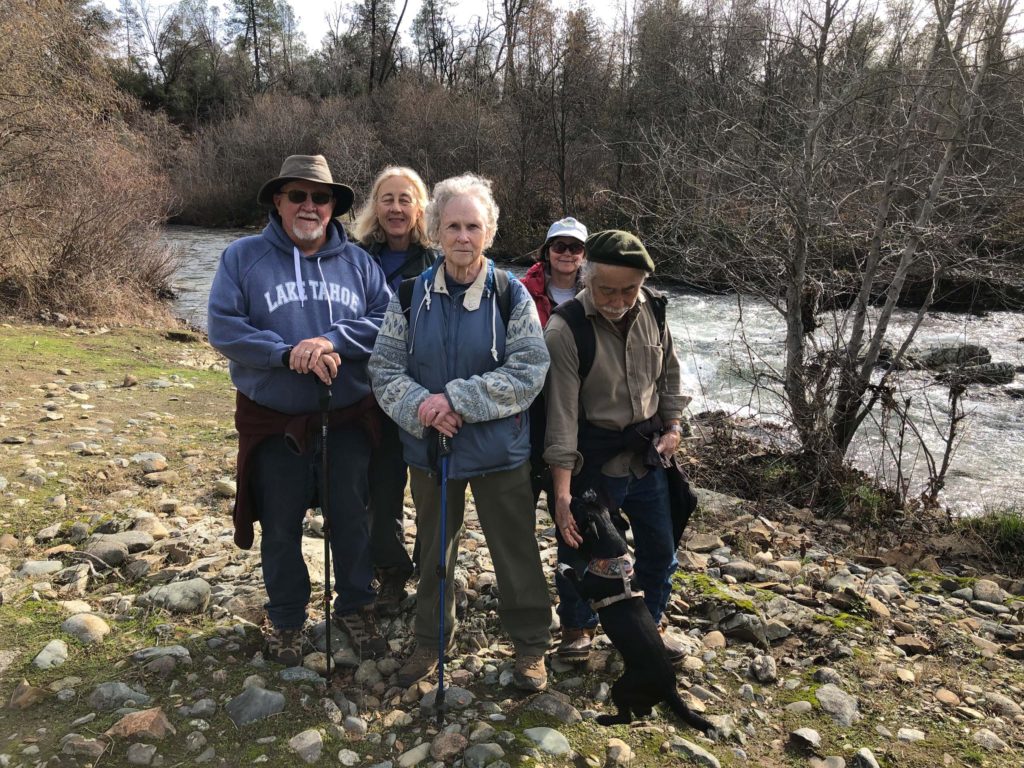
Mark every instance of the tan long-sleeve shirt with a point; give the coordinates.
(634, 376)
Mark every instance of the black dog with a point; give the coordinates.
(649, 678)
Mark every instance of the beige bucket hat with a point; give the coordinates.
(307, 168)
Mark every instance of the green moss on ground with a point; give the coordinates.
(843, 622)
(705, 586)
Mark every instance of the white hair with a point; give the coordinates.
(466, 185)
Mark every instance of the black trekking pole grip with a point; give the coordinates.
(325, 399)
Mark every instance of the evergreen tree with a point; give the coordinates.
(256, 26)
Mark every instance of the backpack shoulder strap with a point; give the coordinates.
(501, 289)
(504, 295)
(405, 289)
(575, 317)
(659, 306)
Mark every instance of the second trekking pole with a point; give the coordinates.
(444, 449)
(325, 407)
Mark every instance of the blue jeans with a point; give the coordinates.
(284, 486)
(645, 502)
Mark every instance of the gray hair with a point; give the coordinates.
(466, 185)
(589, 268)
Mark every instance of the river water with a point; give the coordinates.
(724, 343)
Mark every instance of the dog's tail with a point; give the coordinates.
(688, 716)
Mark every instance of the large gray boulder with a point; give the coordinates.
(107, 696)
(841, 706)
(254, 703)
(192, 596)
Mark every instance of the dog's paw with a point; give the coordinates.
(606, 720)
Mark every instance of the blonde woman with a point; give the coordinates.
(391, 228)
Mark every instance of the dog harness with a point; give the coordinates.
(614, 568)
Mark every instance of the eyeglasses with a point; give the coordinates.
(298, 197)
(574, 248)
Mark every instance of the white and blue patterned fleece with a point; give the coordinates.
(459, 345)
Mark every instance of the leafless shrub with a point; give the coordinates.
(219, 173)
(79, 201)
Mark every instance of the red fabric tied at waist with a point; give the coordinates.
(255, 423)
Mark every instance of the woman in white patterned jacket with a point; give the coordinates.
(454, 366)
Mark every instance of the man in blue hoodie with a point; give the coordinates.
(297, 308)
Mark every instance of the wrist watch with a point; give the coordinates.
(677, 428)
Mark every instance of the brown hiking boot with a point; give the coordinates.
(575, 645)
(363, 632)
(284, 646)
(390, 592)
(421, 663)
(530, 673)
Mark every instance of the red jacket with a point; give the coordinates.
(536, 282)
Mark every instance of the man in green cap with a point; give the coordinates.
(612, 357)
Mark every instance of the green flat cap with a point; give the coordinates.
(613, 246)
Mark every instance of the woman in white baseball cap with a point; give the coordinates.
(554, 278)
(551, 281)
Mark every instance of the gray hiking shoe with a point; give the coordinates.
(421, 663)
(284, 646)
(675, 650)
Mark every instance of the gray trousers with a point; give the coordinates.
(504, 505)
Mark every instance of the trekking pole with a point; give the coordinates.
(325, 405)
(444, 449)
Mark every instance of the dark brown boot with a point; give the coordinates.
(575, 645)
(390, 592)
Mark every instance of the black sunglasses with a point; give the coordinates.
(560, 247)
(298, 197)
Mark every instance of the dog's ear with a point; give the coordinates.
(591, 533)
(619, 520)
(580, 506)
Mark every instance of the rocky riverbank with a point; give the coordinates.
(129, 624)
